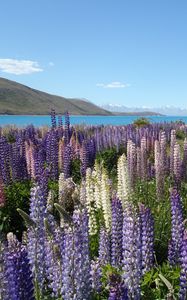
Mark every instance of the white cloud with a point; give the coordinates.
(19, 67)
(51, 64)
(113, 85)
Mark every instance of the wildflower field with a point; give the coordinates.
(93, 212)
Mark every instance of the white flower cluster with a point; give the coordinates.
(123, 179)
(90, 203)
(98, 197)
(106, 199)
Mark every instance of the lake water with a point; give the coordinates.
(91, 120)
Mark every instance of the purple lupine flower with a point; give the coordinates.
(2, 194)
(158, 171)
(53, 249)
(30, 132)
(52, 153)
(183, 273)
(132, 260)
(13, 150)
(67, 129)
(138, 162)
(96, 275)
(53, 267)
(185, 161)
(143, 159)
(147, 232)
(53, 118)
(36, 235)
(177, 228)
(67, 161)
(3, 283)
(20, 159)
(60, 127)
(163, 154)
(131, 159)
(172, 145)
(82, 259)
(42, 181)
(60, 123)
(76, 262)
(4, 160)
(39, 161)
(17, 272)
(11, 268)
(84, 158)
(68, 288)
(26, 279)
(116, 233)
(177, 163)
(104, 247)
(86, 254)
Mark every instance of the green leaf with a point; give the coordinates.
(63, 212)
(29, 222)
(167, 283)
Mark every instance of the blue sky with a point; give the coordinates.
(131, 52)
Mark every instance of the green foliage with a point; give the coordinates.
(109, 158)
(161, 282)
(145, 192)
(17, 196)
(180, 134)
(28, 221)
(141, 122)
(75, 170)
(94, 245)
(53, 185)
(180, 122)
(10, 138)
(107, 272)
(94, 239)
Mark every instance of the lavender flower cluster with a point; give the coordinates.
(56, 257)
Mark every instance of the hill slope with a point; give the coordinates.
(18, 99)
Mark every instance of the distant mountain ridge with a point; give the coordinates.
(165, 110)
(18, 99)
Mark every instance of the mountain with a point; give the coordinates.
(165, 110)
(137, 113)
(118, 109)
(18, 99)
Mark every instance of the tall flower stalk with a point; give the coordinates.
(36, 236)
(183, 273)
(177, 228)
(132, 251)
(116, 233)
(147, 233)
(76, 262)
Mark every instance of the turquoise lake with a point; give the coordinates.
(90, 120)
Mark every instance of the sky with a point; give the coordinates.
(130, 52)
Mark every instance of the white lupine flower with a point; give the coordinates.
(83, 192)
(123, 179)
(30, 159)
(90, 202)
(60, 153)
(105, 196)
(177, 163)
(61, 183)
(50, 200)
